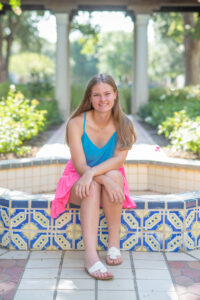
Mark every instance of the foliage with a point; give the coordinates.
(83, 66)
(52, 112)
(15, 5)
(19, 121)
(183, 132)
(176, 115)
(77, 92)
(125, 98)
(89, 35)
(115, 55)
(36, 67)
(162, 106)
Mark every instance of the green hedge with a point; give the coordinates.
(176, 114)
(19, 121)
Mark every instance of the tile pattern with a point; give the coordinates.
(187, 278)
(146, 228)
(60, 275)
(10, 275)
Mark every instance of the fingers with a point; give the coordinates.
(82, 190)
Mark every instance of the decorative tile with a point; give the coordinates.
(174, 220)
(4, 217)
(19, 218)
(40, 218)
(62, 241)
(4, 238)
(19, 240)
(189, 241)
(131, 220)
(153, 241)
(63, 221)
(40, 240)
(102, 240)
(131, 241)
(153, 220)
(190, 218)
(102, 222)
(78, 241)
(173, 242)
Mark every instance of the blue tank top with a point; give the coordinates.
(93, 154)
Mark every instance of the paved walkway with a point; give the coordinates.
(59, 275)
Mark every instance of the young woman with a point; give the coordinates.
(99, 136)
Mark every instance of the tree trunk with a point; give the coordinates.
(2, 60)
(192, 53)
(13, 23)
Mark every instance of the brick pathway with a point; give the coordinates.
(59, 275)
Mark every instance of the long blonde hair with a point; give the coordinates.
(125, 131)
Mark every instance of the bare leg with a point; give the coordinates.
(89, 223)
(113, 216)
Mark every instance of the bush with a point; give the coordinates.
(125, 98)
(19, 121)
(176, 114)
(183, 132)
(77, 93)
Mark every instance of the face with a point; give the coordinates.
(103, 97)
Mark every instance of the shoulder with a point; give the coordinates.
(76, 123)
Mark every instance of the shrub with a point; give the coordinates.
(176, 114)
(19, 121)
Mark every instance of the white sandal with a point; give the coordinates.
(113, 253)
(98, 266)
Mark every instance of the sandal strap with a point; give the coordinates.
(98, 266)
(113, 252)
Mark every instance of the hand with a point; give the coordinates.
(82, 188)
(114, 191)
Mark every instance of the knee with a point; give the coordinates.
(95, 188)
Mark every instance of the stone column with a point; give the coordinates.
(62, 65)
(140, 63)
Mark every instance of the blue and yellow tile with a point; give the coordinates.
(174, 220)
(102, 222)
(62, 240)
(63, 221)
(153, 241)
(131, 241)
(40, 218)
(190, 218)
(131, 220)
(4, 217)
(190, 241)
(4, 238)
(102, 240)
(173, 242)
(78, 240)
(152, 220)
(40, 240)
(19, 218)
(19, 240)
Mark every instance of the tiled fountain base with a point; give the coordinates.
(159, 223)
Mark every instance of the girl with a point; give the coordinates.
(99, 136)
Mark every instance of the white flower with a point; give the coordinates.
(12, 88)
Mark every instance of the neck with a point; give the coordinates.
(101, 119)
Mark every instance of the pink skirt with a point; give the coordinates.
(66, 182)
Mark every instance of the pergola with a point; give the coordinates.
(140, 10)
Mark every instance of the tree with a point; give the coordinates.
(192, 48)
(83, 65)
(17, 27)
(182, 29)
(115, 55)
